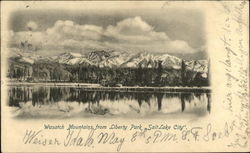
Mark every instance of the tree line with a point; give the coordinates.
(44, 71)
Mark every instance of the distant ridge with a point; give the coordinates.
(102, 58)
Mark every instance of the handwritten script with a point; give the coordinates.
(152, 134)
(237, 70)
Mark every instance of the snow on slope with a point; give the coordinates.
(24, 57)
(198, 65)
(151, 60)
(72, 59)
(115, 59)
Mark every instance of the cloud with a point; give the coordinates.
(134, 30)
(31, 25)
(70, 30)
(131, 26)
(179, 46)
(131, 34)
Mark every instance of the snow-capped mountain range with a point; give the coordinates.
(115, 59)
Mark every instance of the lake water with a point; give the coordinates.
(69, 102)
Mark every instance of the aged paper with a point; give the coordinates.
(124, 76)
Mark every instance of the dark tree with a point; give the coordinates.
(183, 70)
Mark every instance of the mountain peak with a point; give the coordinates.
(72, 54)
(112, 58)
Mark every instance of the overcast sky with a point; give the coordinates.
(165, 31)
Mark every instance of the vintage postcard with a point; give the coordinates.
(125, 76)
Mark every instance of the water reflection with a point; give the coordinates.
(35, 99)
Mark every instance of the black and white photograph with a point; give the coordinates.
(136, 63)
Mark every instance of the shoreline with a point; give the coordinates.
(89, 86)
